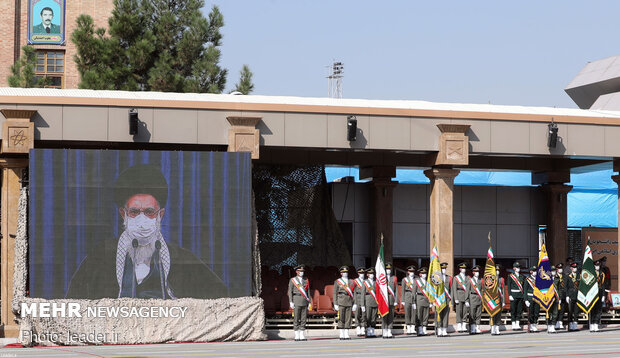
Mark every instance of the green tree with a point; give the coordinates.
(22, 71)
(152, 45)
(245, 85)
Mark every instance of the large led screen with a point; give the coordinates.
(143, 224)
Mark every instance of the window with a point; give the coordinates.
(51, 64)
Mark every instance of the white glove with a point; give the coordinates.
(336, 307)
(466, 303)
(568, 300)
(456, 301)
(414, 306)
(354, 307)
(511, 298)
(603, 299)
(363, 309)
(292, 305)
(395, 304)
(527, 303)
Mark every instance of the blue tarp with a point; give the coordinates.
(593, 201)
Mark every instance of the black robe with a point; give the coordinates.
(188, 276)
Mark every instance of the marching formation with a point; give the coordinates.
(375, 293)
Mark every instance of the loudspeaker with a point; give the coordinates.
(351, 128)
(133, 122)
(552, 139)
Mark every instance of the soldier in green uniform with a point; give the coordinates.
(474, 300)
(515, 294)
(572, 290)
(459, 295)
(496, 320)
(552, 315)
(408, 299)
(603, 288)
(343, 302)
(370, 297)
(388, 319)
(533, 307)
(445, 313)
(299, 300)
(422, 300)
(359, 302)
(560, 286)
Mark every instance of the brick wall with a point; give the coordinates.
(99, 10)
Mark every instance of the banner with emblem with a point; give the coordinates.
(490, 292)
(436, 288)
(382, 292)
(544, 290)
(588, 287)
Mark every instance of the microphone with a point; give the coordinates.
(134, 280)
(160, 266)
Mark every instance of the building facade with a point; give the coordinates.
(54, 59)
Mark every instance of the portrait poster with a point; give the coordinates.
(139, 224)
(46, 22)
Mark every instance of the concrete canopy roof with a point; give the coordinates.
(596, 79)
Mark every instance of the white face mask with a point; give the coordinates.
(534, 274)
(553, 273)
(423, 276)
(371, 276)
(300, 273)
(410, 274)
(476, 274)
(345, 275)
(142, 228)
(361, 276)
(462, 271)
(560, 271)
(597, 268)
(517, 270)
(574, 269)
(388, 271)
(443, 271)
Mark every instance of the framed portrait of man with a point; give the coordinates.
(615, 299)
(46, 22)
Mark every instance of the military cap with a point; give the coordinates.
(533, 268)
(476, 268)
(498, 266)
(574, 264)
(552, 268)
(361, 270)
(516, 264)
(422, 270)
(559, 265)
(444, 265)
(370, 270)
(411, 268)
(141, 179)
(300, 268)
(463, 265)
(597, 262)
(388, 266)
(344, 269)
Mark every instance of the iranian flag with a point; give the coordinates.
(382, 291)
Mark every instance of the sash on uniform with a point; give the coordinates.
(458, 279)
(447, 290)
(516, 280)
(346, 287)
(532, 285)
(421, 289)
(301, 289)
(475, 287)
(409, 284)
(359, 282)
(392, 291)
(371, 291)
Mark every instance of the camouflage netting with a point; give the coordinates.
(296, 223)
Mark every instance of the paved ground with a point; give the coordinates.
(509, 344)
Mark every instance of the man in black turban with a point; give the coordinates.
(142, 264)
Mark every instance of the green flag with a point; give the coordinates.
(588, 287)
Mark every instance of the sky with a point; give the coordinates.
(462, 51)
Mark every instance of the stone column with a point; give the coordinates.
(442, 212)
(552, 183)
(381, 208)
(17, 140)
